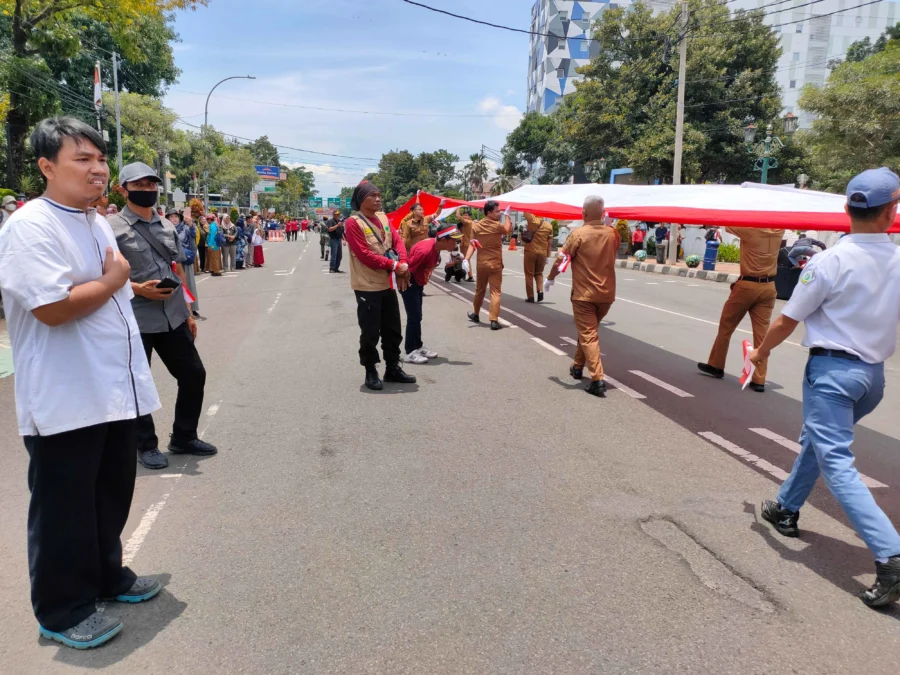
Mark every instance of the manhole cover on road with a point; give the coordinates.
(712, 572)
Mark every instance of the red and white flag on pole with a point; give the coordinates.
(188, 296)
(748, 369)
(98, 94)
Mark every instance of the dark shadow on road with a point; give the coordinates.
(441, 361)
(566, 385)
(391, 389)
(142, 623)
(834, 560)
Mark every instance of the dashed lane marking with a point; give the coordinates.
(693, 318)
(548, 346)
(213, 409)
(795, 447)
(572, 342)
(272, 308)
(503, 322)
(659, 383)
(618, 385)
(504, 309)
(748, 457)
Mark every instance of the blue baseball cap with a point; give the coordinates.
(872, 188)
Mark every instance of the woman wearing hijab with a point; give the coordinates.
(258, 258)
(240, 245)
(229, 250)
(378, 267)
(202, 234)
(213, 248)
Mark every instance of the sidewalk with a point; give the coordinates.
(724, 272)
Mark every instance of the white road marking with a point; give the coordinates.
(651, 283)
(572, 342)
(133, 545)
(748, 457)
(795, 447)
(503, 322)
(693, 318)
(670, 281)
(503, 309)
(277, 298)
(548, 346)
(618, 385)
(171, 475)
(659, 383)
(693, 285)
(201, 280)
(630, 279)
(213, 409)
(293, 269)
(280, 271)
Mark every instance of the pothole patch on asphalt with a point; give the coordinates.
(712, 572)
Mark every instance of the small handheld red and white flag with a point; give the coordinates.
(564, 262)
(476, 244)
(748, 369)
(188, 296)
(418, 192)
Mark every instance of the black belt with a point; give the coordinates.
(835, 353)
(758, 280)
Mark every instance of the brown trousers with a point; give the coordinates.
(588, 316)
(485, 276)
(759, 301)
(534, 271)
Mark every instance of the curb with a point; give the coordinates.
(656, 268)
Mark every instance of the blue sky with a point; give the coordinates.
(376, 55)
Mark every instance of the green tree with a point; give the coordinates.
(264, 152)
(858, 109)
(400, 174)
(235, 172)
(148, 131)
(42, 27)
(475, 173)
(540, 139)
(863, 49)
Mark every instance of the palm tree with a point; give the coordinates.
(505, 182)
(476, 172)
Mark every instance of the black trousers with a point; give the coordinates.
(81, 483)
(378, 313)
(178, 353)
(412, 301)
(201, 251)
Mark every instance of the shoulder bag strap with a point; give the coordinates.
(144, 231)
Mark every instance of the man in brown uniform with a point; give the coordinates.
(537, 248)
(467, 227)
(414, 227)
(488, 233)
(754, 292)
(591, 251)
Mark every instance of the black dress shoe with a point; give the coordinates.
(495, 325)
(757, 387)
(473, 317)
(194, 447)
(373, 382)
(529, 299)
(887, 584)
(471, 280)
(596, 388)
(394, 373)
(717, 373)
(152, 459)
(540, 296)
(575, 372)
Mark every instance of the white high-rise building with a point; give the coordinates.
(554, 60)
(808, 45)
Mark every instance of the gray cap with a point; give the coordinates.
(136, 171)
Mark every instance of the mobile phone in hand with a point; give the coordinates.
(168, 283)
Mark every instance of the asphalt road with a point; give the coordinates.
(492, 518)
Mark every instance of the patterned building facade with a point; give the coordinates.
(553, 60)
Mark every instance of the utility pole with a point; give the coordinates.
(679, 125)
(115, 60)
(98, 96)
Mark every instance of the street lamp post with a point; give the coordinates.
(763, 151)
(206, 123)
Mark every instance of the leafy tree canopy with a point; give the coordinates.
(400, 174)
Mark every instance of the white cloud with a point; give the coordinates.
(506, 117)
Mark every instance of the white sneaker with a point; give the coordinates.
(415, 357)
(427, 353)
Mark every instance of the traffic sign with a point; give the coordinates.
(334, 202)
(315, 202)
(347, 202)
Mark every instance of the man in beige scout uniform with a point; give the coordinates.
(753, 292)
(488, 241)
(537, 239)
(467, 227)
(591, 250)
(377, 269)
(414, 227)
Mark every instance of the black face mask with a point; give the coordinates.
(143, 198)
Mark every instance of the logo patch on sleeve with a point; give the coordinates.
(808, 277)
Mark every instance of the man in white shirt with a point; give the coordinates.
(82, 379)
(849, 298)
